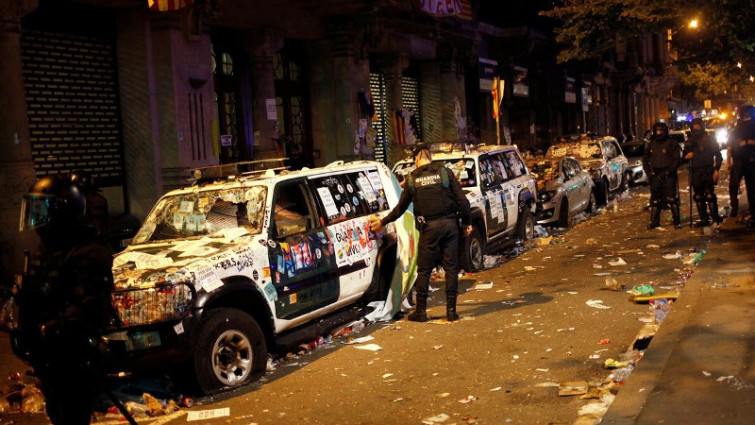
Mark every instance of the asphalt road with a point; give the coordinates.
(502, 363)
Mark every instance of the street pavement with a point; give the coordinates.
(540, 318)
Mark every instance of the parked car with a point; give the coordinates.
(500, 190)
(221, 271)
(634, 152)
(601, 156)
(564, 189)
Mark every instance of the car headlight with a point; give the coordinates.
(156, 304)
(546, 195)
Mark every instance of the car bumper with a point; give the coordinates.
(637, 174)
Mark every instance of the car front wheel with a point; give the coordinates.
(473, 251)
(231, 350)
(526, 225)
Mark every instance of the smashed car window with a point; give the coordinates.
(203, 213)
(579, 150)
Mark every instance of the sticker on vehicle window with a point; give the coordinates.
(327, 201)
(270, 291)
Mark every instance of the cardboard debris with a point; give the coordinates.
(573, 388)
(647, 298)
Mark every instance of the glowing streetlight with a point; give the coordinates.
(693, 24)
(739, 65)
(752, 79)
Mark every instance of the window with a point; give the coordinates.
(515, 163)
(610, 150)
(489, 174)
(292, 212)
(340, 198)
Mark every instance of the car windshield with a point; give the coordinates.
(463, 169)
(204, 213)
(544, 169)
(580, 150)
(633, 150)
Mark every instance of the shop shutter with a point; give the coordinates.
(72, 100)
(410, 99)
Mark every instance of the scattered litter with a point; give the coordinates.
(604, 341)
(198, 415)
(661, 308)
(543, 241)
(437, 419)
(591, 241)
(613, 285)
(735, 382)
(646, 319)
(615, 364)
(617, 262)
(540, 231)
(484, 285)
(621, 374)
(548, 385)
(398, 399)
(369, 347)
(706, 373)
(495, 389)
(648, 298)
(572, 388)
(597, 266)
(438, 347)
(572, 292)
(540, 369)
(468, 399)
(642, 290)
(652, 246)
(529, 268)
(602, 274)
(359, 340)
(387, 375)
(443, 395)
(597, 304)
(594, 356)
(676, 256)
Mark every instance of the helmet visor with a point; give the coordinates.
(35, 211)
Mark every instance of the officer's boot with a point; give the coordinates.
(676, 216)
(655, 217)
(451, 314)
(703, 213)
(734, 207)
(713, 206)
(420, 310)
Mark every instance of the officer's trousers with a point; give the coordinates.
(663, 189)
(438, 240)
(748, 171)
(735, 177)
(703, 185)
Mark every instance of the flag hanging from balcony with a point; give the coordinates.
(168, 5)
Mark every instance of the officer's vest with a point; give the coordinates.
(431, 193)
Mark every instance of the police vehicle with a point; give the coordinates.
(500, 190)
(564, 189)
(601, 156)
(233, 265)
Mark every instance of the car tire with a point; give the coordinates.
(230, 350)
(473, 250)
(625, 181)
(563, 214)
(601, 189)
(525, 225)
(591, 203)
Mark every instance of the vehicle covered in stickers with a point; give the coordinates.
(221, 271)
(601, 156)
(500, 190)
(564, 189)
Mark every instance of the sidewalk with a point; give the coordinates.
(700, 366)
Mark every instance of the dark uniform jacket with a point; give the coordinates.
(431, 198)
(707, 154)
(661, 155)
(744, 131)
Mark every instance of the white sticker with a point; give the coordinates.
(186, 207)
(152, 262)
(375, 180)
(179, 328)
(178, 221)
(327, 201)
(367, 189)
(206, 278)
(198, 415)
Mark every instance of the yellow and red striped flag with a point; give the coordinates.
(168, 5)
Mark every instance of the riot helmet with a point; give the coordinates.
(698, 125)
(53, 201)
(84, 180)
(660, 130)
(747, 112)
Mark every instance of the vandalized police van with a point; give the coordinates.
(500, 190)
(221, 271)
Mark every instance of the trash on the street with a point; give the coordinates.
(369, 347)
(591, 241)
(198, 415)
(675, 256)
(615, 364)
(468, 399)
(597, 304)
(604, 341)
(642, 290)
(543, 241)
(484, 285)
(437, 419)
(648, 298)
(359, 340)
(660, 307)
(617, 262)
(613, 285)
(572, 388)
(621, 374)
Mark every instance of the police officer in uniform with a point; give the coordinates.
(64, 300)
(744, 140)
(437, 198)
(660, 161)
(704, 155)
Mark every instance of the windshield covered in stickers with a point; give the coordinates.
(544, 169)
(204, 213)
(463, 168)
(580, 150)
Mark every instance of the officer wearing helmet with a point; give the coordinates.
(660, 162)
(742, 147)
(704, 156)
(64, 299)
(437, 198)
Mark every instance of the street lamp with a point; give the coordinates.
(693, 24)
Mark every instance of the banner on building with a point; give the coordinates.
(570, 95)
(168, 5)
(519, 83)
(488, 69)
(497, 91)
(458, 8)
(586, 97)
